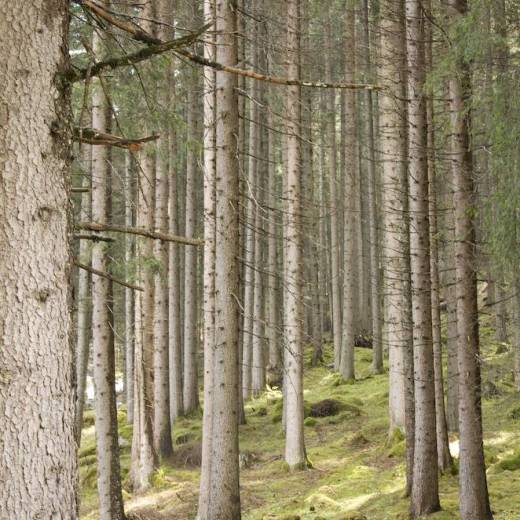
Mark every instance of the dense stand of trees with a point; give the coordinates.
(255, 179)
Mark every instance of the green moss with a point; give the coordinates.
(310, 421)
(511, 463)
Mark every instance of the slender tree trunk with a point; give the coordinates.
(393, 135)
(190, 391)
(444, 459)
(294, 440)
(224, 494)
(425, 494)
(474, 498)
(129, 293)
(351, 193)
(107, 448)
(36, 353)
(209, 265)
(84, 303)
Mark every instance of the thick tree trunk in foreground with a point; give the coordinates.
(425, 494)
(474, 498)
(293, 384)
(224, 489)
(37, 446)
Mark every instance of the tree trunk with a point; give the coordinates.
(224, 493)
(425, 493)
(209, 265)
(161, 394)
(393, 135)
(103, 354)
(36, 355)
(190, 391)
(351, 193)
(474, 498)
(84, 319)
(294, 439)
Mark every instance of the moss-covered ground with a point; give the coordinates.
(357, 472)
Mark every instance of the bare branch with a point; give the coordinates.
(107, 276)
(155, 235)
(94, 238)
(94, 137)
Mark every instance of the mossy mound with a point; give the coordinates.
(510, 463)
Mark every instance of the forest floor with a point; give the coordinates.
(358, 473)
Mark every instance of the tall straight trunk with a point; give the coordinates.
(516, 332)
(373, 236)
(224, 488)
(425, 492)
(161, 368)
(36, 352)
(393, 135)
(444, 459)
(474, 498)
(294, 439)
(209, 264)
(250, 234)
(174, 271)
(103, 354)
(272, 263)
(351, 193)
(334, 214)
(129, 293)
(84, 318)
(143, 457)
(190, 390)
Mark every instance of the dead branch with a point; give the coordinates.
(155, 235)
(107, 276)
(94, 137)
(79, 190)
(94, 238)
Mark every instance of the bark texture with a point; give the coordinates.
(37, 445)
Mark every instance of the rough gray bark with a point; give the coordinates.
(474, 498)
(425, 493)
(36, 355)
(190, 390)
(224, 489)
(293, 384)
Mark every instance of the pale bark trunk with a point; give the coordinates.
(224, 493)
(161, 369)
(351, 194)
(373, 237)
(334, 214)
(444, 459)
(129, 293)
(425, 492)
(474, 498)
(36, 354)
(190, 391)
(394, 172)
(209, 265)
(84, 327)
(294, 439)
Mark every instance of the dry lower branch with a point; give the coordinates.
(277, 80)
(107, 276)
(143, 54)
(155, 46)
(79, 190)
(94, 238)
(94, 137)
(155, 235)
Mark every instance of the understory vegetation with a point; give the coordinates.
(357, 472)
